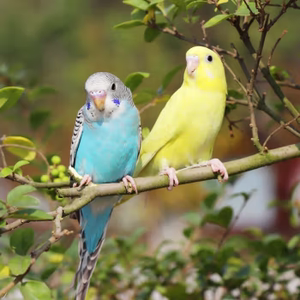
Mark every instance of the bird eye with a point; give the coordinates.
(113, 87)
(209, 58)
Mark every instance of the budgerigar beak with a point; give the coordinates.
(99, 99)
(192, 63)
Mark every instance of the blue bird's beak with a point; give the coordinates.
(99, 98)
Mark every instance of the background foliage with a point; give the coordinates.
(47, 50)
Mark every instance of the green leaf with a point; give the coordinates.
(6, 172)
(255, 232)
(222, 217)
(20, 164)
(192, 217)
(222, 2)
(151, 34)
(243, 10)
(21, 240)
(143, 97)
(195, 4)
(38, 117)
(2, 223)
(25, 201)
(187, 232)
(275, 245)
(170, 75)
(293, 242)
(235, 94)
(133, 80)
(19, 264)
(9, 97)
(279, 74)
(3, 210)
(215, 20)
(210, 200)
(35, 290)
(21, 152)
(31, 214)
(179, 3)
(129, 24)
(40, 91)
(17, 196)
(46, 273)
(140, 4)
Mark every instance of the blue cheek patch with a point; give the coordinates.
(88, 105)
(117, 102)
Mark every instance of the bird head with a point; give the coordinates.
(107, 96)
(204, 69)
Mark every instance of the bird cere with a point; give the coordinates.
(182, 137)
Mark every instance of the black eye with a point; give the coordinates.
(209, 58)
(113, 87)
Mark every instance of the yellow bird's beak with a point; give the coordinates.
(99, 98)
(192, 63)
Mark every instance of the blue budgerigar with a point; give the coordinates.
(105, 146)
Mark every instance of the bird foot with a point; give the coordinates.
(173, 180)
(129, 184)
(86, 180)
(82, 180)
(218, 167)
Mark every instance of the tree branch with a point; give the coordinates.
(238, 166)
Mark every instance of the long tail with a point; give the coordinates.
(91, 240)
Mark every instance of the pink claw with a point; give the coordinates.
(173, 180)
(218, 167)
(86, 180)
(127, 179)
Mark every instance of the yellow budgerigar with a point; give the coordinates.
(185, 131)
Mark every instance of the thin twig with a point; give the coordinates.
(234, 77)
(282, 11)
(229, 228)
(274, 47)
(241, 62)
(3, 158)
(147, 106)
(231, 100)
(204, 34)
(255, 137)
(15, 224)
(289, 84)
(276, 130)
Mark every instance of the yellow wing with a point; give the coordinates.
(164, 130)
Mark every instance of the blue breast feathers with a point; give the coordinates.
(108, 150)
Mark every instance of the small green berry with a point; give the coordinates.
(55, 159)
(61, 168)
(54, 172)
(57, 180)
(61, 175)
(59, 198)
(65, 179)
(45, 178)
